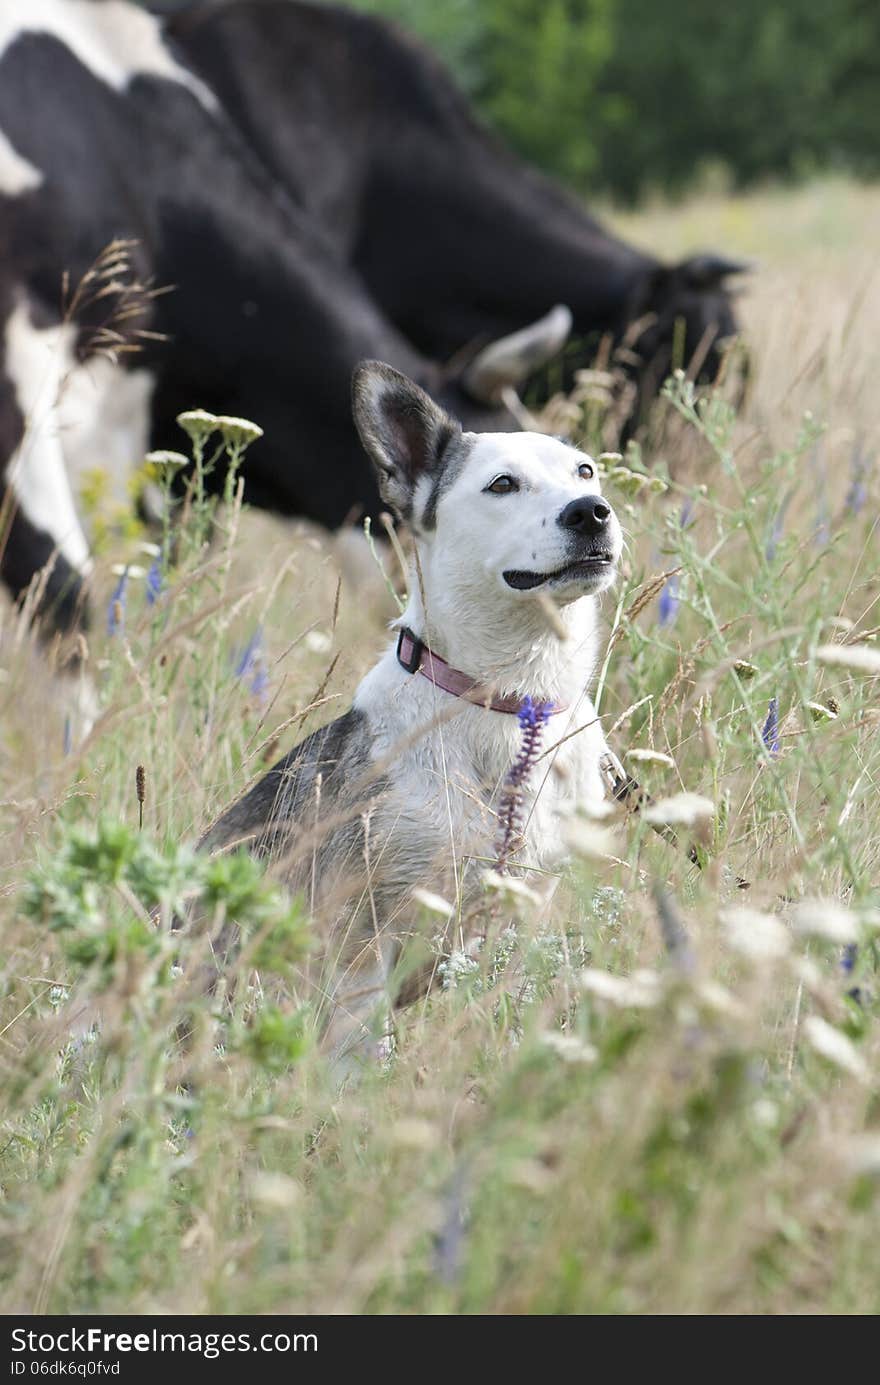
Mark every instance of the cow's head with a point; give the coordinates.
(679, 315)
(682, 315)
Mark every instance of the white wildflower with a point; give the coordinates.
(626, 480)
(569, 1047)
(274, 1190)
(718, 998)
(858, 657)
(317, 641)
(588, 840)
(641, 990)
(410, 1132)
(681, 810)
(836, 1047)
(512, 887)
(755, 934)
(434, 903)
(825, 918)
(870, 920)
(237, 432)
(455, 968)
(809, 974)
(165, 461)
(861, 1155)
(198, 424)
(650, 757)
(822, 711)
(765, 1113)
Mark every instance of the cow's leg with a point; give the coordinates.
(36, 363)
(42, 546)
(28, 555)
(32, 567)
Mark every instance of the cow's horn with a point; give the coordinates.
(704, 271)
(509, 361)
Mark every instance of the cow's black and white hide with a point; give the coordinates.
(316, 192)
(105, 135)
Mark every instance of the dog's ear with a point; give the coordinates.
(404, 432)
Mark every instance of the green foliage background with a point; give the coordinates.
(625, 97)
(628, 97)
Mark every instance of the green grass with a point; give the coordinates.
(698, 1134)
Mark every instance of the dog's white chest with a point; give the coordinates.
(460, 791)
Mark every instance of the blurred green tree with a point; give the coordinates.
(768, 88)
(540, 61)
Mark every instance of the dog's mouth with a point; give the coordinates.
(585, 569)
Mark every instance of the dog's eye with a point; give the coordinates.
(586, 471)
(502, 485)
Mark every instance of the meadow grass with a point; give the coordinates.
(657, 1093)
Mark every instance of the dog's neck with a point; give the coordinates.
(511, 648)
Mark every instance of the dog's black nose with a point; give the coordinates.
(588, 515)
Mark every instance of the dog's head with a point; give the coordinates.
(522, 511)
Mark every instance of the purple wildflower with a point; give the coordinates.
(449, 1247)
(68, 736)
(533, 717)
(857, 494)
(248, 657)
(775, 536)
(116, 608)
(155, 582)
(770, 729)
(848, 965)
(260, 682)
(250, 666)
(667, 607)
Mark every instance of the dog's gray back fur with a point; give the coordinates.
(306, 818)
(308, 808)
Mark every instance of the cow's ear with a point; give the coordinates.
(404, 432)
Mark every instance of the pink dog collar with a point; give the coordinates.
(414, 656)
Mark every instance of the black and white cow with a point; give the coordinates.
(455, 238)
(315, 190)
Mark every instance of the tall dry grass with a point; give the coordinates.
(659, 1094)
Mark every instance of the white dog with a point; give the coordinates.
(405, 789)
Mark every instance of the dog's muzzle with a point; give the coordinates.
(589, 527)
